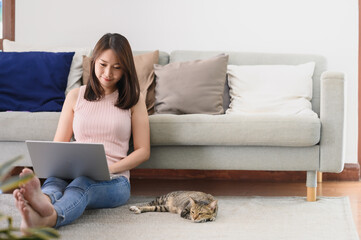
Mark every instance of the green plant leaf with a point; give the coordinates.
(14, 182)
(4, 168)
(32, 234)
(2, 216)
(44, 233)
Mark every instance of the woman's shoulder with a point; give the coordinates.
(73, 96)
(73, 93)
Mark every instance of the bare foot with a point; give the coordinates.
(17, 196)
(30, 218)
(32, 193)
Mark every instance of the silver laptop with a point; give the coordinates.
(68, 160)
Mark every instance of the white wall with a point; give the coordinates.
(326, 27)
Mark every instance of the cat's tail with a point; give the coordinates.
(141, 209)
(157, 205)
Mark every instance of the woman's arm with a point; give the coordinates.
(141, 139)
(64, 132)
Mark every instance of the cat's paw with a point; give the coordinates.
(135, 209)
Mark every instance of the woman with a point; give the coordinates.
(107, 110)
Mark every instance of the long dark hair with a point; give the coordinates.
(128, 86)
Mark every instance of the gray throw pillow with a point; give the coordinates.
(191, 87)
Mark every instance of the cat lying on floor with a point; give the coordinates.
(195, 206)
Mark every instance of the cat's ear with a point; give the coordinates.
(213, 204)
(191, 200)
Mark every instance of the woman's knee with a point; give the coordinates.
(81, 182)
(55, 181)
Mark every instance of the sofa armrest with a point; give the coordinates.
(332, 116)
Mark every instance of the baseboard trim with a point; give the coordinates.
(351, 172)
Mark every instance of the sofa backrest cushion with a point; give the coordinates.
(33, 81)
(249, 58)
(191, 87)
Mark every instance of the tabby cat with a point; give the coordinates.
(195, 206)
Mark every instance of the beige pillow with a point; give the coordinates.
(191, 87)
(144, 66)
(86, 69)
(145, 72)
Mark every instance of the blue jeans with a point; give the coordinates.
(71, 198)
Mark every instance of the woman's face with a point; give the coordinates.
(107, 70)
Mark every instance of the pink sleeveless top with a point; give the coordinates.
(102, 122)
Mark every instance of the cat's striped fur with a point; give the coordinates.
(195, 206)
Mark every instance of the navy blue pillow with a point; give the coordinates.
(33, 81)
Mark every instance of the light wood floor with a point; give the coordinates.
(152, 187)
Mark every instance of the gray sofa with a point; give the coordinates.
(225, 142)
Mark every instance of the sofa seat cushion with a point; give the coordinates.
(233, 129)
(21, 126)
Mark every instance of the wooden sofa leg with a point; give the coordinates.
(311, 194)
(311, 186)
(319, 177)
